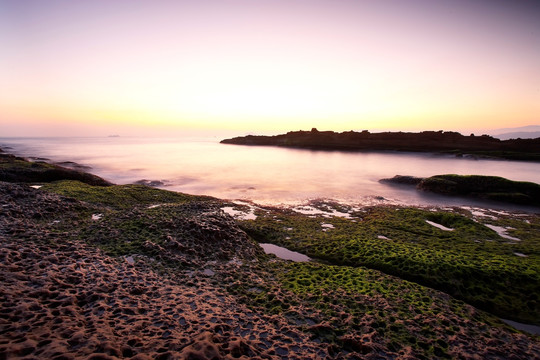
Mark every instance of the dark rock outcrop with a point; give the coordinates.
(17, 169)
(485, 187)
(426, 141)
(403, 179)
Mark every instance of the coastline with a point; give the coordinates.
(444, 142)
(274, 173)
(147, 273)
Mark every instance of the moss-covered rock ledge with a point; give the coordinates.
(485, 187)
(453, 251)
(17, 169)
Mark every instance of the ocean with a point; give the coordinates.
(267, 175)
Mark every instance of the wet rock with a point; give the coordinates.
(487, 187)
(153, 183)
(16, 169)
(403, 179)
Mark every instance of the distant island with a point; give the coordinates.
(426, 141)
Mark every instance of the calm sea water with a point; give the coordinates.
(265, 174)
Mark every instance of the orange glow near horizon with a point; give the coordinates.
(272, 66)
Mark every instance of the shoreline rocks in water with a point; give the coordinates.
(17, 169)
(152, 183)
(426, 141)
(71, 165)
(403, 180)
(485, 187)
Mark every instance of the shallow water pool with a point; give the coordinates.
(283, 253)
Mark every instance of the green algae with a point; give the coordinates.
(357, 309)
(471, 262)
(118, 235)
(350, 308)
(487, 187)
(120, 196)
(19, 163)
(15, 169)
(132, 219)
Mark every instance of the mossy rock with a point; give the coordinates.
(344, 303)
(489, 187)
(439, 185)
(177, 229)
(468, 260)
(120, 196)
(16, 169)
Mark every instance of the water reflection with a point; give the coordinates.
(531, 329)
(266, 174)
(283, 253)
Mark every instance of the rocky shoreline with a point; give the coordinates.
(62, 298)
(110, 272)
(17, 169)
(447, 142)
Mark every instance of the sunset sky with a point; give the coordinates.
(133, 67)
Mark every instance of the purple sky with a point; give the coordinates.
(159, 67)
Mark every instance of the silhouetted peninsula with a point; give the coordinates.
(426, 141)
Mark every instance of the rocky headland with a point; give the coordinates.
(92, 270)
(426, 141)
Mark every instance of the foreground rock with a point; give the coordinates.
(485, 187)
(198, 288)
(63, 299)
(427, 141)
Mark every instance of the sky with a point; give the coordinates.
(101, 67)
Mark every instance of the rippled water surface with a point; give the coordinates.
(264, 174)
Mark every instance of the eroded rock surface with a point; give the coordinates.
(182, 281)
